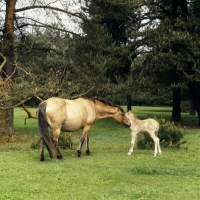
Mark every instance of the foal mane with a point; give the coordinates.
(105, 101)
(135, 116)
(132, 115)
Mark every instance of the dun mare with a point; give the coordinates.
(148, 125)
(72, 115)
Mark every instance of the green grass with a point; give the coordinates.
(109, 173)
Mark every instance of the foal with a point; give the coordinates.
(148, 125)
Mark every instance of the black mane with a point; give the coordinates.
(105, 101)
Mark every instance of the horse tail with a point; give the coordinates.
(157, 129)
(43, 127)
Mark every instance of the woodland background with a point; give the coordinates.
(130, 52)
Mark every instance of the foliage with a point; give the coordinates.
(170, 135)
(142, 48)
(65, 142)
(172, 48)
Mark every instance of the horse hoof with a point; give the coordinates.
(78, 153)
(88, 153)
(129, 153)
(42, 160)
(60, 158)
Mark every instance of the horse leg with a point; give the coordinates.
(87, 145)
(156, 133)
(83, 138)
(56, 134)
(156, 142)
(80, 146)
(41, 149)
(134, 134)
(159, 149)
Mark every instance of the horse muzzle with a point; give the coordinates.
(127, 125)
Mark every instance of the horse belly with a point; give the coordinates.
(71, 126)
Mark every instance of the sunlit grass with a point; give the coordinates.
(108, 174)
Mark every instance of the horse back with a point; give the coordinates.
(153, 124)
(55, 110)
(72, 115)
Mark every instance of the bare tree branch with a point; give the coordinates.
(45, 26)
(4, 61)
(83, 93)
(79, 15)
(29, 114)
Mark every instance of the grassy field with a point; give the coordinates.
(109, 173)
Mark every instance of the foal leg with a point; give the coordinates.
(159, 149)
(134, 135)
(41, 149)
(156, 141)
(156, 133)
(56, 134)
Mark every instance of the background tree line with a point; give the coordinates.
(144, 49)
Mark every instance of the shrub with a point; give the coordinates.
(170, 135)
(64, 141)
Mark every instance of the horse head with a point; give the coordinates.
(131, 116)
(122, 118)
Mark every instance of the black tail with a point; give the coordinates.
(43, 127)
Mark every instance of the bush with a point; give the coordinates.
(64, 141)
(169, 134)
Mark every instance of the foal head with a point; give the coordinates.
(130, 115)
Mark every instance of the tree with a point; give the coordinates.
(172, 57)
(11, 23)
(118, 19)
(7, 71)
(120, 24)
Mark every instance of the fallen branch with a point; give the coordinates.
(29, 113)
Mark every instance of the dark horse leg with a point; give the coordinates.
(83, 138)
(58, 154)
(41, 149)
(80, 146)
(87, 145)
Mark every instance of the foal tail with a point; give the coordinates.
(43, 127)
(157, 129)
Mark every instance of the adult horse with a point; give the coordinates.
(73, 115)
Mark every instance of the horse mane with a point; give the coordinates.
(132, 115)
(105, 101)
(135, 116)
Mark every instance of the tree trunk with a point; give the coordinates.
(176, 105)
(192, 109)
(6, 115)
(129, 103)
(194, 89)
